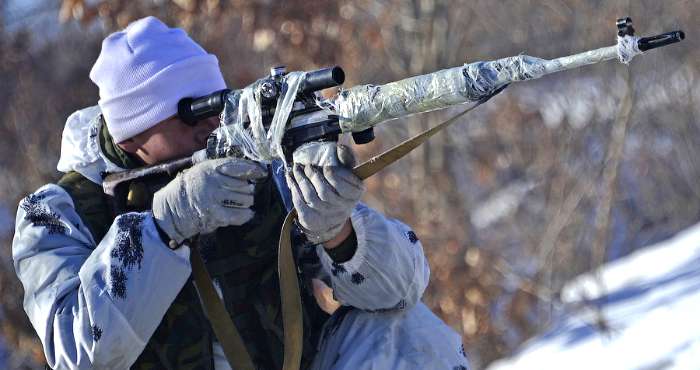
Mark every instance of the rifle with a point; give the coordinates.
(272, 117)
(277, 114)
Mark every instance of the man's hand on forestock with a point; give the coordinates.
(324, 189)
(212, 194)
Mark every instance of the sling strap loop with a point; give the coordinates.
(224, 328)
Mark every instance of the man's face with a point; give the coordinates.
(170, 139)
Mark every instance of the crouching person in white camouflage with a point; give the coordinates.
(107, 279)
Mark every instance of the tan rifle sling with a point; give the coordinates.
(224, 328)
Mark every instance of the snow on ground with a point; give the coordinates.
(650, 301)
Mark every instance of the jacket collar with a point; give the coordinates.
(113, 152)
(81, 150)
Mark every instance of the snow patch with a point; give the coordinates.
(637, 313)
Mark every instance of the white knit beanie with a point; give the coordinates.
(143, 71)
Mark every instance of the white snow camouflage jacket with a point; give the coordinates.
(75, 287)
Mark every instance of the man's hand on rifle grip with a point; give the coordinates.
(211, 194)
(324, 191)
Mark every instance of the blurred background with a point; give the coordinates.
(537, 186)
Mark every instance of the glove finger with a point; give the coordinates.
(222, 216)
(242, 169)
(303, 210)
(247, 189)
(346, 183)
(318, 153)
(240, 216)
(306, 188)
(297, 197)
(326, 192)
(346, 156)
(236, 185)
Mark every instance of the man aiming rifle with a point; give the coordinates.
(107, 277)
(107, 274)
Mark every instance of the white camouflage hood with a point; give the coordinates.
(80, 146)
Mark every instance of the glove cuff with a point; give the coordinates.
(165, 238)
(318, 237)
(164, 220)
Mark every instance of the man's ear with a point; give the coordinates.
(129, 146)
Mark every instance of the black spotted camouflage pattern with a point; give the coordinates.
(244, 260)
(39, 215)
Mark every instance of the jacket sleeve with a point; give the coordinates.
(388, 270)
(93, 305)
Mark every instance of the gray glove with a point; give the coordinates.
(324, 189)
(211, 194)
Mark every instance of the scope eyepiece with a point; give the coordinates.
(193, 110)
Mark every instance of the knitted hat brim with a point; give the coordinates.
(155, 99)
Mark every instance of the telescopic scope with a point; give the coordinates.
(192, 110)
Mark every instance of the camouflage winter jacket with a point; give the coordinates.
(106, 292)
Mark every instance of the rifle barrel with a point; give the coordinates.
(365, 106)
